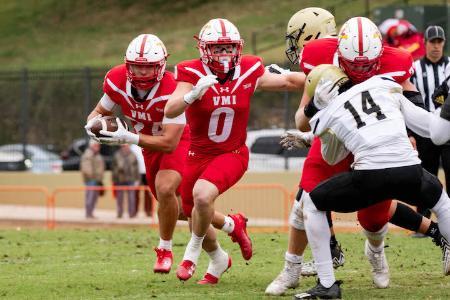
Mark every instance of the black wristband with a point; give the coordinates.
(310, 109)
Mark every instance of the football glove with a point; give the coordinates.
(89, 125)
(120, 136)
(324, 93)
(440, 94)
(276, 69)
(203, 84)
(296, 140)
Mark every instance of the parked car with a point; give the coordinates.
(266, 153)
(13, 161)
(37, 159)
(71, 157)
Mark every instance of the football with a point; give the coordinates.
(108, 123)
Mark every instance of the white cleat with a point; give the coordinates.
(287, 279)
(380, 268)
(445, 256)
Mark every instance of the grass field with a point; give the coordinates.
(117, 263)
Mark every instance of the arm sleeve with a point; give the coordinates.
(416, 119)
(107, 102)
(439, 130)
(181, 119)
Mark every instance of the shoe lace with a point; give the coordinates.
(160, 253)
(376, 260)
(290, 273)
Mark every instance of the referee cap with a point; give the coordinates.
(434, 32)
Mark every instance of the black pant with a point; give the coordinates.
(431, 155)
(357, 189)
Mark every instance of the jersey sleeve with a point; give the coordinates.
(109, 88)
(261, 69)
(186, 74)
(399, 65)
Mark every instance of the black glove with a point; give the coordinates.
(440, 94)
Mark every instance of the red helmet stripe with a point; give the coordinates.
(222, 25)
(360, 37)
(141, 51)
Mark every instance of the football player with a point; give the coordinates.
(215, 91)
(367, 120)
(311, 41)
(140, 88)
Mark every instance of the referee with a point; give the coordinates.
(429, 74)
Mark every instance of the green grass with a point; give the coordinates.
(117, 263)
(49, 34)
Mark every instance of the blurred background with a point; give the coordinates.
(55, 53)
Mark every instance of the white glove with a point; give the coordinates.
(325, 93)
(203, 84)
(89, 125)
(120, 136)
(296, 140)
(276, 69)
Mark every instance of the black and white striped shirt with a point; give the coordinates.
(428, 76)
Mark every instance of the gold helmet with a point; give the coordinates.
(311, 23)
(327, 72)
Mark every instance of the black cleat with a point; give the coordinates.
(321, 292)
(338, 256)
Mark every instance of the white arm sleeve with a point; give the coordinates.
(107, 103)
(439, 129)
(417, 119)
(181, 119)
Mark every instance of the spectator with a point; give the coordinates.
(404, 35)
(125, 172)
(142, 171)
(429, 74)
(92, 169)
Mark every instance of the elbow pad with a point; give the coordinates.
(415, 98)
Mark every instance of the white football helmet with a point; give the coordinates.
(146, 50)
(308, 24)
(359, 48)
(220, 32)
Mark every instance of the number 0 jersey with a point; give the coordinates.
(218, 120)
(368, 119)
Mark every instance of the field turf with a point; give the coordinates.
(117, 263)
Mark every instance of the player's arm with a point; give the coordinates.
(103, 108)
(301, 120)
(289, 81)
(166, 142)
(185, 94)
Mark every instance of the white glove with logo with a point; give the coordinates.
(203, 84)
(325, 92)
(89, 125)
(120, 136)
(276, 69)
(296, 140)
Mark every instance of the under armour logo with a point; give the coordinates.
(224, 89)
(141, 106)
(248, 85)
(191, 153)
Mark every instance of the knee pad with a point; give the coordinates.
(296, 215)
(376, 235)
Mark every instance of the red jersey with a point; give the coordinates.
(218, 120)
(146, 116)
(395, 62)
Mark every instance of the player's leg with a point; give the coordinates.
(290, 275)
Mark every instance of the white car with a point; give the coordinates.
(266, 153)
(38, 159)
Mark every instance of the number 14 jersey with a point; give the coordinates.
(218, 120)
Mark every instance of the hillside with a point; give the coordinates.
(49, 34)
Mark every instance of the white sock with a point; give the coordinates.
(193, 248)
(218, 263)
(228, 226)
(318, 233)
(442, 211)
(376, 248)
(293, 258)
(163, 244)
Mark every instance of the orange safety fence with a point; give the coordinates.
(93, 188)
(32, 188)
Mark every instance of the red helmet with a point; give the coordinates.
(146, 50)
(215, 33)
(359, 49)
